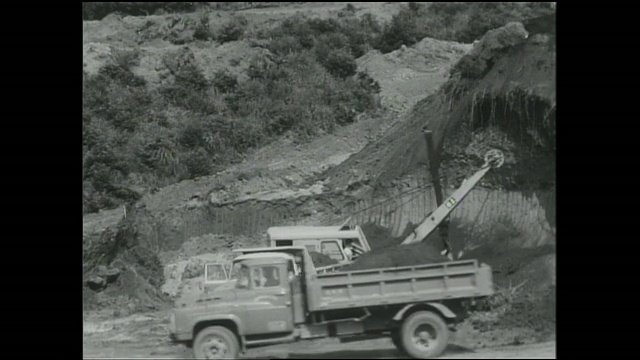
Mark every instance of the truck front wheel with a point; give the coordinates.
(215, 342)
(424, 335)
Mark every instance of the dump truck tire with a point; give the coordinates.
(215, 342)
(424, 335)
(397, 341)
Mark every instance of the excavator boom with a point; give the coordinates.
(493, 159)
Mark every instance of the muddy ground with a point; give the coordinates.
(145, 335)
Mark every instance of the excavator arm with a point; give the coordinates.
(493, 159)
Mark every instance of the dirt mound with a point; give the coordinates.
(395, 256)
(513, 316)
(377, 236)
(132, 280)
(386, 250)
(523, 308)
(410, 73)
(512, 91)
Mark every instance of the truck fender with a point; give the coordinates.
(236, 320)
(441, 308)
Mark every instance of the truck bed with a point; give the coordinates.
(432, 282)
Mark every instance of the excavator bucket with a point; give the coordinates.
(494, 158)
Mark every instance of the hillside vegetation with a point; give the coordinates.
(138, 137)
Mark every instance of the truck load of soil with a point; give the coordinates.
(377, 236)
(387, 251)
(380, 237)
(320, 260)
(397, 256)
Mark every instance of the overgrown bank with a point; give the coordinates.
(137, 137)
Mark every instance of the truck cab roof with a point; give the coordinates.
(312, 232)
(262, 250)
(265, 257)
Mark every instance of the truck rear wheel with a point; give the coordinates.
(424, 335)
(215, 342)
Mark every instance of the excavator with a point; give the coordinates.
(493, 159)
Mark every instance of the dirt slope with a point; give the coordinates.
(516, 93)
(408, 74)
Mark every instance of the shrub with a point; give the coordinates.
(285, 45)
(233, 29)
(224, 82)
(190, 76)
(123, 76)
(159, 154)
(198, 163)
(192, 136)
(340, 63)
(202, 30)
(405, 28)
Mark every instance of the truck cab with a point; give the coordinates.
(327, 240)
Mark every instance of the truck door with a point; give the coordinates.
(215, 274)
(271, 309)
(298, 297)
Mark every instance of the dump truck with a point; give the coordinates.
(275, 295)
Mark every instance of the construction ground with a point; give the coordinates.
(372, 173)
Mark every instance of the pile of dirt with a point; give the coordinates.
(409, 74)
(397, 256)
(512, 317)
(512, 90)
(523, 308)
(132, 279)
(386, 250)
(377, 236)
(380, 237)
(320, 260)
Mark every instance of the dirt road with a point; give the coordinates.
(146, 336)
(384, 349)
